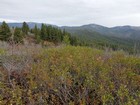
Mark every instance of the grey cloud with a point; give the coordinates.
(72, 12)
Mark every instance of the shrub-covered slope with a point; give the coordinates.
(74, 76)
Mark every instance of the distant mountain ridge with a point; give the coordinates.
(121, 36)
(118, 31)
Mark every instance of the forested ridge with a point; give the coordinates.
(76, 37)
(45, 33)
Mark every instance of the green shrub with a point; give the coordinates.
(76, 76)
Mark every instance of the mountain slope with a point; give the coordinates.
(119, 31)
(122, 37)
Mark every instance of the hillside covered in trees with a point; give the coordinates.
(45, 33)
(88, 35)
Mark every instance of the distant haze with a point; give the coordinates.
(72, 12)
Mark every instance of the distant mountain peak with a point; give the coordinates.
(93, 25)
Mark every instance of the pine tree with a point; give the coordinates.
(25, 28)
(5, 32)
(37, 36)
(18, 36)
(43, 33)
(50, 33)
(66, 40)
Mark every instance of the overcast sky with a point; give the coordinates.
(72, 12)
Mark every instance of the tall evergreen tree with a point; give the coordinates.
(43, 33)
(5, 32)
(18, 35)
(48, 32)
(66, 40)
(25, 28)
(37, 34)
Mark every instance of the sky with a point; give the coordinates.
(72, 12)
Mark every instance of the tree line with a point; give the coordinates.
(45, 33)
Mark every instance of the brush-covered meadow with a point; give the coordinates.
(69, 75)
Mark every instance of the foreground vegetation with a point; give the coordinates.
(72, 76)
